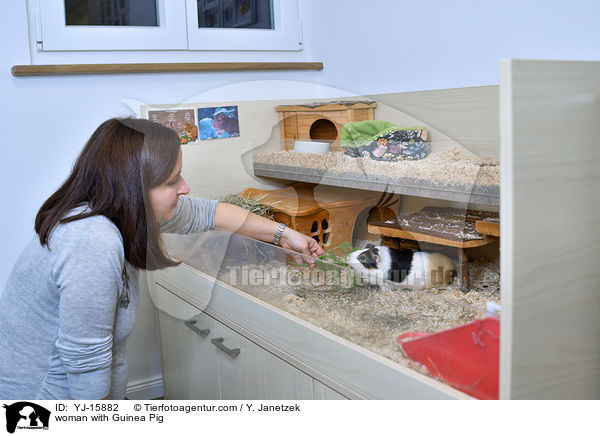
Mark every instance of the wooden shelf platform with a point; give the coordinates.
(488, 228)
(421, 237)
(483, 195)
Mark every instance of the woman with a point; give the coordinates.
(69, 303)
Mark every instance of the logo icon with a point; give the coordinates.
(26, 415)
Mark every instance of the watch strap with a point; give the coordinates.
(278, 233)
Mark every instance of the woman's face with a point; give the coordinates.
(163, 198)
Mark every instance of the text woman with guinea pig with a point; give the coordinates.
(69, 304)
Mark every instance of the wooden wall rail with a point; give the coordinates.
(47, 70)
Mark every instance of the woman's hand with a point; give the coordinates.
(297, 241)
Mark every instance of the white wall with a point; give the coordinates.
(367, 48)
(383, 46)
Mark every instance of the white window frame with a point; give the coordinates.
(284, 37)
(170, 34)
(177, 30)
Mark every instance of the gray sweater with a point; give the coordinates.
(65, 314)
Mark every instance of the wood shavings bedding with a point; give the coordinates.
(373, 317)
(369, 316)
(445, 167)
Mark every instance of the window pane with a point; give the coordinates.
(241, 14)
(111, 13)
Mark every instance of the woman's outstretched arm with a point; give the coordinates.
(236, 219)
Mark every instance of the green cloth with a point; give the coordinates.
(355, 134)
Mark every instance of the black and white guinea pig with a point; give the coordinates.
(417, 269)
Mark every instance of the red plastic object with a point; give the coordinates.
(466, 357)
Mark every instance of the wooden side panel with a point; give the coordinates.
(550, 245)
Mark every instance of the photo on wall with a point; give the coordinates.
(218, 122)
(180, 120)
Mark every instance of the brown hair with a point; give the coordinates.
(121, 161)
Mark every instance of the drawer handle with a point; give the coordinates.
(233, 352)
(191, 323)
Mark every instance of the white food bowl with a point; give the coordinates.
(320, 147)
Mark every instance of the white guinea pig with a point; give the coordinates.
(417, 269)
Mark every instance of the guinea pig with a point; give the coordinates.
(417, 269)
(223, 123)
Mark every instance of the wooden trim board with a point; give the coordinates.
(67, 69)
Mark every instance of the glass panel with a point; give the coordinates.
(111, 13)
(241, 14)
(440, 332)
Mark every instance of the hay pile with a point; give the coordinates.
(253, 205)
(448, 167)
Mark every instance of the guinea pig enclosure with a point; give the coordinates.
(333, 297)
(253, 321)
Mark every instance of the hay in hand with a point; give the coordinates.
(336, 256)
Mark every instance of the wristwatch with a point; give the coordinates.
(278, 233)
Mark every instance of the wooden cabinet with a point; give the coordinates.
(257, 374)
(189, 360)
(203, 359)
